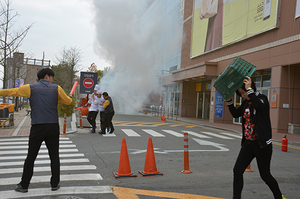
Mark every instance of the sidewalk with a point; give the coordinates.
(22, 127)
(22, 124)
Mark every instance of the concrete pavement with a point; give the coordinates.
(22, 127)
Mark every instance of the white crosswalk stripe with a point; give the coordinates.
(232, 135)
(42, 147)
(22, 157)
(199, 135)
(217, 135)
(41, 151)
(19, 143)
(44, 162)
(130, 133)
(71, 177)
(42, 169)
(153, 133)
(26, 139)
(74, 167)
(173, 133)
(62, 191)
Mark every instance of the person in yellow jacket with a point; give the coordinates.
(43, 96)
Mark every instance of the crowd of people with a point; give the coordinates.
(101, 102)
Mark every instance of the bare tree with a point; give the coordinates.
(65, 71)
(92, 68)
(9, 40)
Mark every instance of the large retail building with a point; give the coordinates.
(264, 33)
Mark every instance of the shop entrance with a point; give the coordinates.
(203, 106)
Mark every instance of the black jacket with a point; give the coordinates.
(260, 114)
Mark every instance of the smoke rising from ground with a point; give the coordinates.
(130, 51)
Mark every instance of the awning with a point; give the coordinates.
(199, 70)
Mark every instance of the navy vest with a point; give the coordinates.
(110, 107)
(43, 102)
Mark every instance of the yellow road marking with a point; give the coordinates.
(116, 122)
(160, 124)
(291, 147)
(171, 124)
(174, 125)
(127, 123)
(125, 193)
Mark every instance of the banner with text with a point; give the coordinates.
(217, 23)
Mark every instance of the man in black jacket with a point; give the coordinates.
(257, 137)
(108, 113)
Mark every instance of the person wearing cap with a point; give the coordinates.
(93, 109)
(44, 97)
(96, 88)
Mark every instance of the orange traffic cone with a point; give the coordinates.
(124, 170)
(248, 169)
(163, 118)
(150, 165)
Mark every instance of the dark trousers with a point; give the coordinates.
(247, 153)
(108, 121)
(39, 133)
(101, 118)
(91, 117)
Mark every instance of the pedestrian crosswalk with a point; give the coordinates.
(163, 133)
(152, 124)
(74, 168)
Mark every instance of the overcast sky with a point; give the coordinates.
(57, 24)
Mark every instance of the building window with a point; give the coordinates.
(171, 99)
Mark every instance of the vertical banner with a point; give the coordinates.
(219, 105)
(297, 9)
(17, 83)
(88, 81)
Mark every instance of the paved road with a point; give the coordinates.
(88, 161)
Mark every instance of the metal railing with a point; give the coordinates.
(158, 111)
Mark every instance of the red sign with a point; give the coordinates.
(88, 82)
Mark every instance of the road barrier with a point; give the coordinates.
(186, 154)
(124, 170)
(80, 119)
(248, 169)
(65, 125)
(150, 164)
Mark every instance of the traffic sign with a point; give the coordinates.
(88, 80)
(88, 83)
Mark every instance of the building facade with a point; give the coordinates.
(168, 16)
(264, 33)
(23, 69)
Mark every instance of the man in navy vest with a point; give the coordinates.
(108, 113)
(43, 96)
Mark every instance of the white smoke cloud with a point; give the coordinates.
(130, 50)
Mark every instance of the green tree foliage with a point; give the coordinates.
(100, 75)
(65, 109)
(65, 76)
